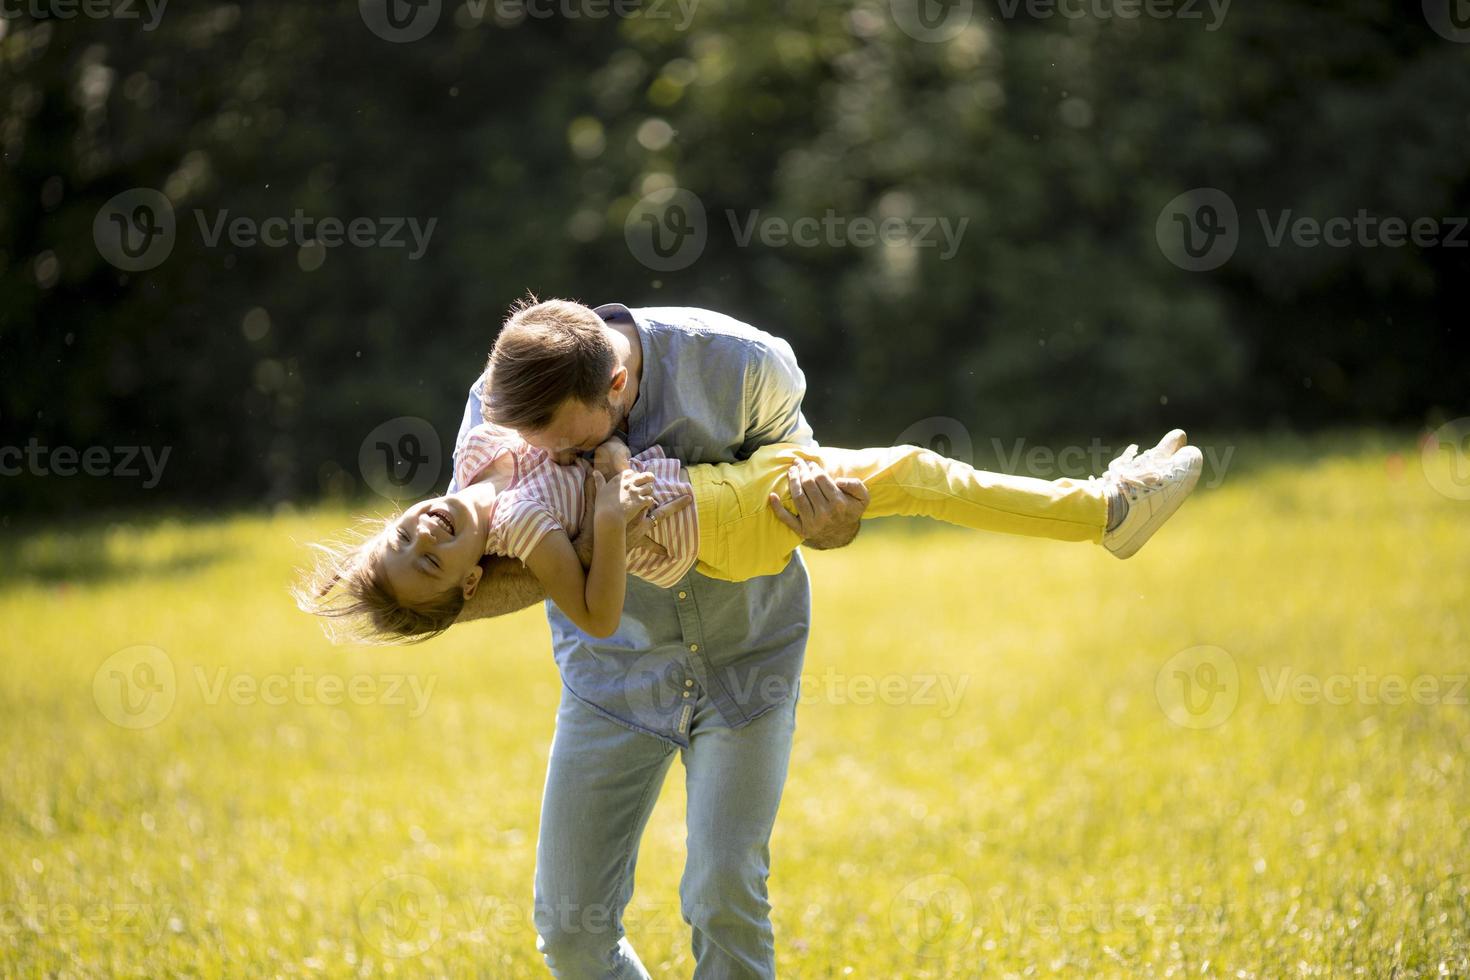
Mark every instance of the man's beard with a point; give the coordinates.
(617, 420)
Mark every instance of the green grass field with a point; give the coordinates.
(986, 779)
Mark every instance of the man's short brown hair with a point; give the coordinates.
(546, 353)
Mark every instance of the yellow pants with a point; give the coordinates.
(739, 537)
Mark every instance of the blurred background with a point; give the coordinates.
(253, 255)
(1022, 163)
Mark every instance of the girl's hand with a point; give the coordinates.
(622, 500)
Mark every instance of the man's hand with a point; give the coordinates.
(828, 511)
(639, 526)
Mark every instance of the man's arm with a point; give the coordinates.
(506, 587)
(828, 512)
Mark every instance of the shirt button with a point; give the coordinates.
(686, 694)
(683, 595)
(694, 648)
(688, 683)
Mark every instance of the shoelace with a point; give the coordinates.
(1133, 473)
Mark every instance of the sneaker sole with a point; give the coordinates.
(1140, 537)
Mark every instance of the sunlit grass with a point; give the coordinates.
(984, 779)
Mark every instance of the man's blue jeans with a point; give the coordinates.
(601, 785)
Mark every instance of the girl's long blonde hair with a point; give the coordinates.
(349, 590)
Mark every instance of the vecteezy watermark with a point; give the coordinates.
(679, 12)
(661, 693)
(302, 230)
(1362, 686)
(1210, 13)
(1200, 687)
(1450, 19)
(137, 230)
(49, 917)
(938, 21)
(406, 21)
(152, 10)
(404, 915)
(401, 458)
(137, 687)
(941, 434)
(1200, 230)
(833, 230)
(1090, 460)
(667, 230)
(401, 915)
(933, 915)
(114, 461)
(303, 687)
(932, 21)
(1445, 457)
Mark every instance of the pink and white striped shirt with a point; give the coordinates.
(544, 497)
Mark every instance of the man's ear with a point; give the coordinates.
(619, 380)
(472, 581)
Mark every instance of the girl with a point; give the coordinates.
(411, 579)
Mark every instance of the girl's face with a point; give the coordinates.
(437, 545)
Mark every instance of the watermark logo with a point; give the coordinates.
(1199, 230)
(1211, 13)
(1450, 19)
(941, 434)
(667, 229)
(933, 915)
(135, 230)
(400, 21)
(90, 9)
(834, 230)
(138, 687)
(1445, 456)
(135, 687)
(303, 231)
(409, 691)
(128, 462)
(515, 11)
(932, 21)
(1362, 687)
(656, 687)
(401, 459)
(105, 921)
(1198, 687)
(1047, 462)
(401, 916)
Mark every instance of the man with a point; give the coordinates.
(708, 669)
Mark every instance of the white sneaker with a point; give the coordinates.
(1155, 489)
(1173, 441)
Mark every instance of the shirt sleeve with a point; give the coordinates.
(526, 525)
(775, 387)
(478, 448)
(472, 418)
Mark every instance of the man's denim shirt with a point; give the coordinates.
(713, 390)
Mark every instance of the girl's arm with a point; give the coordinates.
(593, 599)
